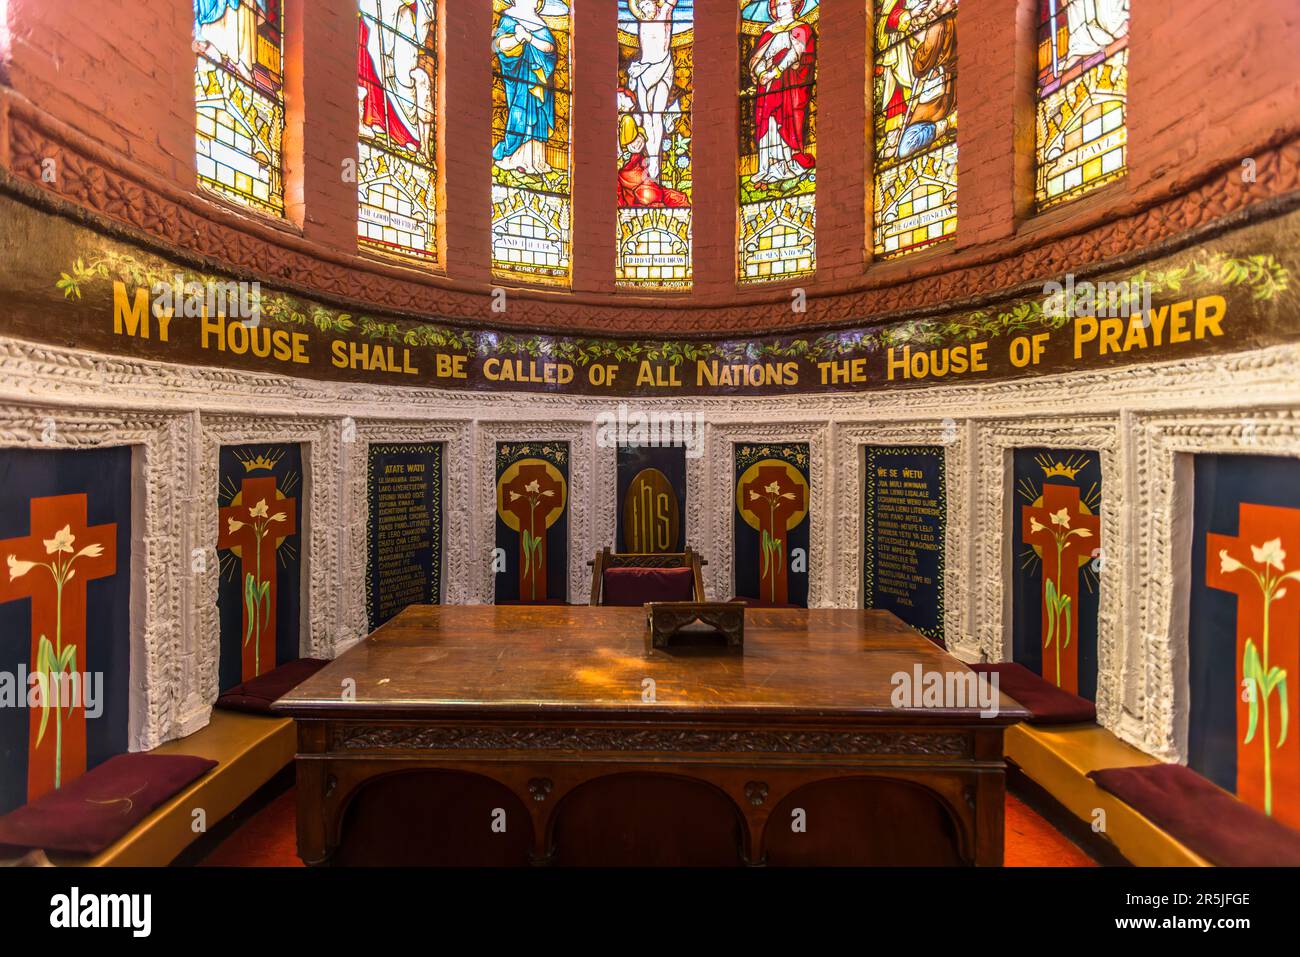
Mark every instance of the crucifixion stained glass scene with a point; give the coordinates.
(656, 44)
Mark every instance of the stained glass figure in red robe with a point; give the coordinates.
(782, 65)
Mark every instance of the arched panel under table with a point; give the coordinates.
(648, 820)
(433, 818)
(841, 826)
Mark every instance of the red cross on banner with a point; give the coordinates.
(772, 498)
(1066, 536)
(255, 525)
(1261, 565)
(52, 567)
(530, 500)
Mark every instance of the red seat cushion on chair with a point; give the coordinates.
(1198, 813)
(1046, 703)
(636, 586)
(256, 695)
(93, 811)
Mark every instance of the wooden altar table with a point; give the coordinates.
(555, 735)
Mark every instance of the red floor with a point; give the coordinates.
(267, 840)
(1032, 842)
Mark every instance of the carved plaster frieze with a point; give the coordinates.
(163, 645)
(357, 436)
(717, 542)
(994, 553)
(585, 480)
(850, 439)
(324, 569)
(1163, 447)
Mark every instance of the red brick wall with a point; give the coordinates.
(1219, 81)
(1206, 88)
(121, 73)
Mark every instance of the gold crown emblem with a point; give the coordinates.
(1057, 468)
(262, 461)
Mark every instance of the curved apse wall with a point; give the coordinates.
(101, 202)
(126, 153)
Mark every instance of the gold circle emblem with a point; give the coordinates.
(777, 485)
(553, 503)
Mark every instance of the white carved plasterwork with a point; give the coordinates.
(324, 575)
(1157, 411)
(357, 436)
(1163, 450)
(994, 553)
(719, 574)
(162, 644)
(583, 483)
(697, 512)
(954, 437)
(605, 520)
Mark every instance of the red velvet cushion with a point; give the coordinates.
(90, 813)
(1046, 703)
(636, 586)
(1200, 814)
(255, 695)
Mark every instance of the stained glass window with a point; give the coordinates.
(655, 66)
(1082, 97)
(239, 91)
(778, 139)
(914, 93)
(531, 155)
(397, 171)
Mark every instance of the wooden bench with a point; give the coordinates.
(249, 751)
(1058, 758)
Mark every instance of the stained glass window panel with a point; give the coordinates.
(777, 165)
(239, 95)
(1082, 97)
(397, 158)
(531, 156)
(914, 94)
(653, 186)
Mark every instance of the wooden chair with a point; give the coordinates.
(606, 559)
